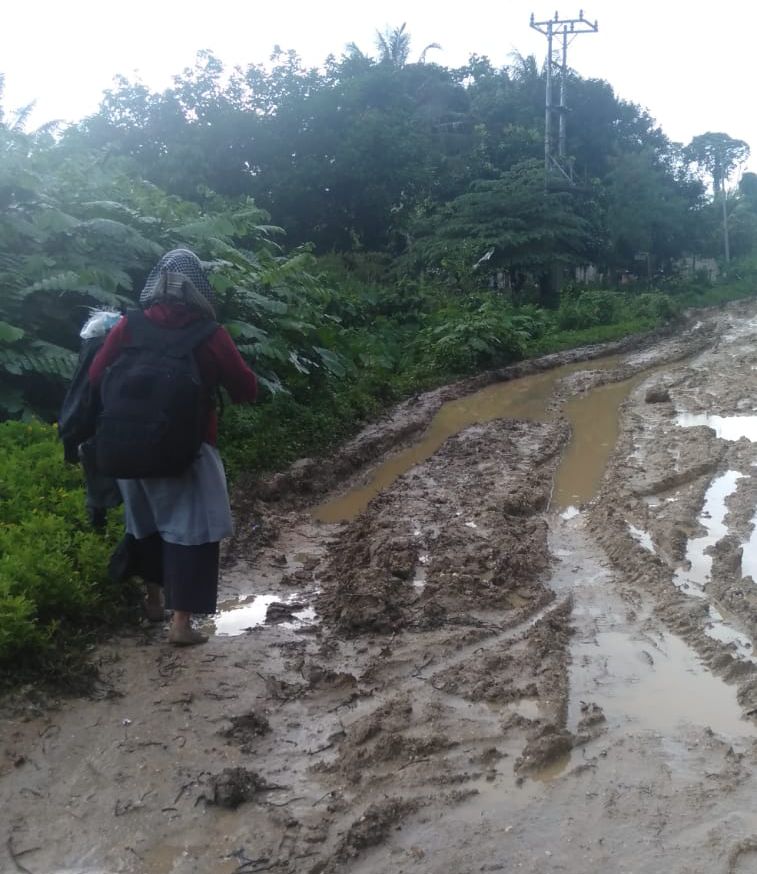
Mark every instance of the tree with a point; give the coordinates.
(346, 156)
(647, 209)
(509, 223)
(393, 45)
(718, 154)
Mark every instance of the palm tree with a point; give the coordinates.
(394, 46)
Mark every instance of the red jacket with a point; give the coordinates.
(218, 359)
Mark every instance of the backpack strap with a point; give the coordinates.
(172, 341)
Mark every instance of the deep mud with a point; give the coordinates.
(532, 650)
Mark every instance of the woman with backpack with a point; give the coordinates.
(157, 373)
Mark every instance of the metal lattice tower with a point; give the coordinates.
(560, 32)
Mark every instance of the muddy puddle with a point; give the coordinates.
(643, 684)
(749, 554)
(694, 576)
(656, 684)
(725, 427)
(594, 423)
(254, 611)
(523, 398)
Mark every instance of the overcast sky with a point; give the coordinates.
(688, 62)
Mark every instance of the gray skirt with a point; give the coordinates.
(190, 509)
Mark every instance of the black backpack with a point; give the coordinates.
(78, 414)
(154, 406)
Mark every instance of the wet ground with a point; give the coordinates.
(509, 627)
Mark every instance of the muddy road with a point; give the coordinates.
(510, 627)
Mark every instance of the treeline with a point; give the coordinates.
(432, 165)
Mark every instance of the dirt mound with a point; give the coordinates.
(373, 826)
(449, 537)
(234, 786)
(245, 729)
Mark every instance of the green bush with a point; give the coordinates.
(270, 436)
(463, 338)
(588, 308)
(53, 581)
(651, 305)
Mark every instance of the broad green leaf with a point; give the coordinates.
(260, 301)
(11, 400)
(10, 333)
(333, 362)
(245, 331)
(300, 364)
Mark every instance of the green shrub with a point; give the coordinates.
(588, 308)
(53, 580)
(461, 339)
(270, 436)
(652, 305)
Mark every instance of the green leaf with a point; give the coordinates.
(272, 383)
(10, 333)
(333, 362)
(300, 363)
(11, 400)
(268, 304)
(245, 331)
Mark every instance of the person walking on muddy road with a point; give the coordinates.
(157, 373)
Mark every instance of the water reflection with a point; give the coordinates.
(594, 421)
(644, 538)
(693, 578)
(725, 427)
(656, 685)
(250, 611)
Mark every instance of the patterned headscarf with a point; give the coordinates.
(179, 277)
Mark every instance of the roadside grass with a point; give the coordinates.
(571, 339)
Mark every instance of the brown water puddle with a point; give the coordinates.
(524, 398)
(594, 421)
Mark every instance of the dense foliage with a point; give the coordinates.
(424, 180)
(53, 582)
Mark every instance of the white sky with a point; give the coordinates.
(688, 62)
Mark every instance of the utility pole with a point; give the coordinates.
(560, 33)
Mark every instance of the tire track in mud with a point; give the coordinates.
(365, 591)
(481, 619)
(658, 482)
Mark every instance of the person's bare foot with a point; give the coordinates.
(185, 635)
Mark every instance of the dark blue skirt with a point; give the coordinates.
(188, 574)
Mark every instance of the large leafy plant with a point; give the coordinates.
(79, 230)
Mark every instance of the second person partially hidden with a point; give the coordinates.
(177, 521)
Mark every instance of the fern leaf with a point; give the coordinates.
(38, 357)
(11, 400)
(261, 302)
